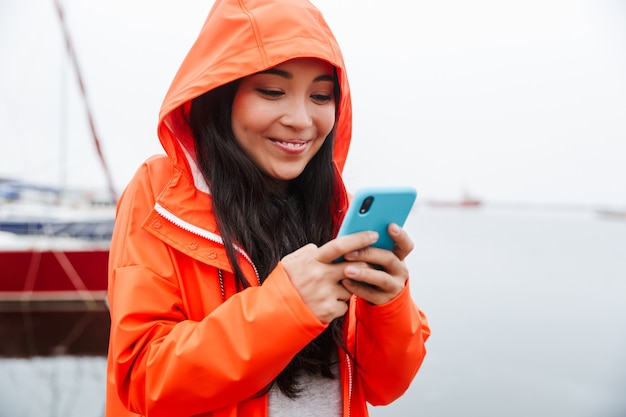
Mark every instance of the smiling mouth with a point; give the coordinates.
(292, 145)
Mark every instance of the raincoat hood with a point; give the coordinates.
(240, 38)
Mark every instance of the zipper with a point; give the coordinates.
(349, 363)
(205, 234)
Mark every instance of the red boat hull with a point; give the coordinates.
(53, 275)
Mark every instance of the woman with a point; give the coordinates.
(224, 297)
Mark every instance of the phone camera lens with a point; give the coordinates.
(365, 206)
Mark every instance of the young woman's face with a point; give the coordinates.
(281, 116)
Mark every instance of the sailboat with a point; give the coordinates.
(54, 243)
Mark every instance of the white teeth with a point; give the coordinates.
(292, 145)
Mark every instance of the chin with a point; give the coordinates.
(286, 176)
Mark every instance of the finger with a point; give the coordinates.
(342, 245)
(404, 245)
(376, 258)
(377, 267)
(372, 278)
(364, 290)
(370, 293)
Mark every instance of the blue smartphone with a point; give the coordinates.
(374, 208)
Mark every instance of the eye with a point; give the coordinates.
(322, 98)
(270, 93)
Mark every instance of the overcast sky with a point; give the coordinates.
(516, 101)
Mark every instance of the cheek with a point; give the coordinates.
(251, 115)
(239, 119)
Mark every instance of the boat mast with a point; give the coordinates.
(72, 56)
(63, 128)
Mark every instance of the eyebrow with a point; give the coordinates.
(288, 75)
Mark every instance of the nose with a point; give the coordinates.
(298, 114)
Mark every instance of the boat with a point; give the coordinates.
(52, 294)
(53, 252)
(466, 201)
(54, 241)
(54, 249)
(612, 214)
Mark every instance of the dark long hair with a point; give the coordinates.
(266, 223)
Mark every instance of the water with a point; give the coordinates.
(53, 362)
(528, 312)
(62, 386)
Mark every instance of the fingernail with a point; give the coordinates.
(395, 229)
(373, 236)
(352, 271)
(351, 255)
(348, 281)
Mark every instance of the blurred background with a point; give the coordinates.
(508, 117)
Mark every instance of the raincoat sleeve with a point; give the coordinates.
(164, 363)
(389, 343)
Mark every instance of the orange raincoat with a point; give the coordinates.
(183, 341)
